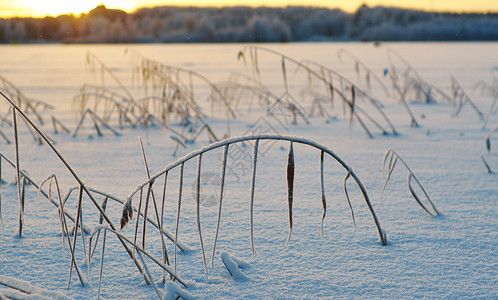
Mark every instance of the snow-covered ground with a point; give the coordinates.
(450, 256)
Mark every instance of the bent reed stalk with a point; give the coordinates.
(127, 213)
(393, 158)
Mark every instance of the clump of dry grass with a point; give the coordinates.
(358, 101)
(242, 88)
(490, 89)
(323, 77)
(460, 98)
(361, 67)
(409, 85)
(96, 121)
(389, 163)
(83, 189)
(26, 104)
(179, 87)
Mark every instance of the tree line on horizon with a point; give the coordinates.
(250, 24)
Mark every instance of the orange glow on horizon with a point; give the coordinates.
(37, 8)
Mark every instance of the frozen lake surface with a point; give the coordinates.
(453, 255)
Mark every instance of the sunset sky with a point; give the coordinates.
(38, 8)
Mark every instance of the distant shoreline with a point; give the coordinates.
(250, 25)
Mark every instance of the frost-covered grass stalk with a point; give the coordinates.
(389, 162)
(222, 186)
(156, 210)
(198, 210)
(52, 179)
(18, 173)
(253, 184)
(41, 191)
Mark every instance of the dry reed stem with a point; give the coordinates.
(253, 184)
(62, 217)
(393, 158)
(222, 186)
(159, 220)
(146, 209)
(35, 185)
(198, 211)
(96, 120)
(143, 251)
(180, 187)
(460, 98)
(486, 165)
(161, 224)
(56, 123)
(101, 271)
(347, 196)
(18, 173)
(91, 59)
(101, 220)
(151, 279)
(75, 235)
(322, 190)
(492, 107)
(135, 235)
(6, 139)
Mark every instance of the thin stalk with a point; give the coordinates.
(161, 225)
(222, 186)
(253, 183)
(18, 173)
(148, 254)
(101, 264)
(392, 163)
(75, 235)
(198, 211)
(322, 189)
(159, 222)
(347, 196)
(180, 187)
